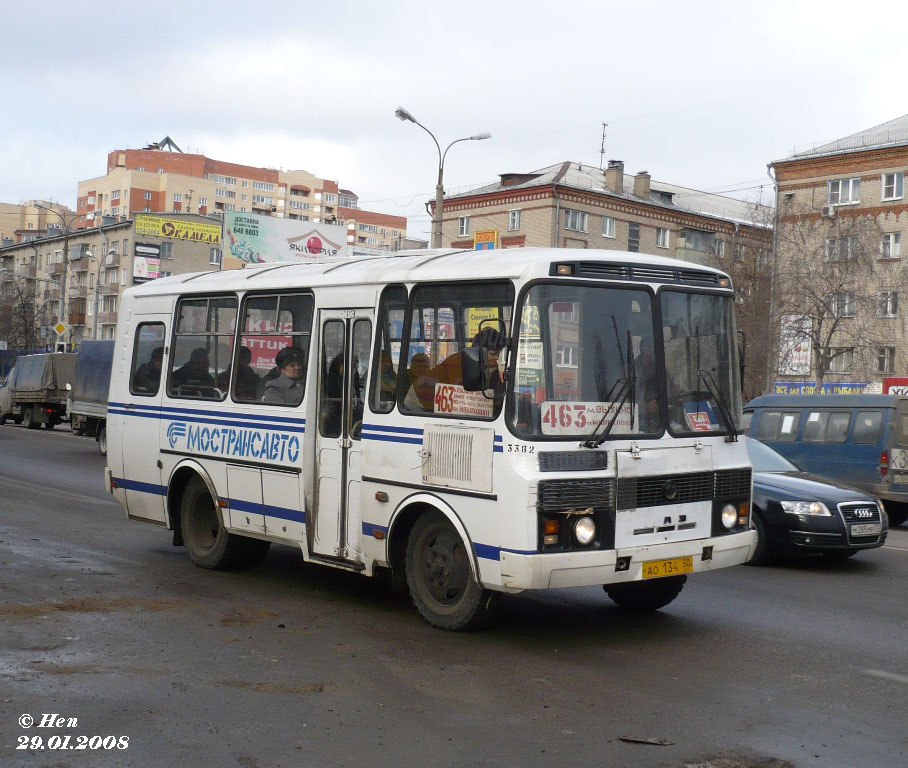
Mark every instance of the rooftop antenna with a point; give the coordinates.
(602, 146)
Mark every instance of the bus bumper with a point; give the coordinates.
(582, 569)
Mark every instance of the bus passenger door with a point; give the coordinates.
(344, 348)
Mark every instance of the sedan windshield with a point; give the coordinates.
(765, 459)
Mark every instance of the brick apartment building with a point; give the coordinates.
(842, 216)
(162, 179)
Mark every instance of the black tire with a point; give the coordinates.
(208, 542)
(50, 424)
(3, 418)
(28, 418)
(440, 577)
(761, 554)
(102, 441)
(839, 554)
(17, 419)
(646, 595)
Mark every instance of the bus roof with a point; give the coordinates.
(822, 401)
(429, 265)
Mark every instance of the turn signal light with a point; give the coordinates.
(884, 463)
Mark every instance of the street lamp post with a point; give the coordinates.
(403, 114)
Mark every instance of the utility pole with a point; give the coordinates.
(602, 146)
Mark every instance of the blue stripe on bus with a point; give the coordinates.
(198, 411)
(369, 529)
(269, 510)
(135, 485)
(402, 430)
(221, 422)
(392, 439)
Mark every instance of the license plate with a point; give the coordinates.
(898, 459)
(866, 529)
(654, 569)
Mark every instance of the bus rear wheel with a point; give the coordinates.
(646, 595)
(208, 542)
(440, 578)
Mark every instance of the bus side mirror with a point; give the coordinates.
(472, 371)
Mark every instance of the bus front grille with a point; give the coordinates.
(575, 495)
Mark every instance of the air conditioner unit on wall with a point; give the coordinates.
(829, 211)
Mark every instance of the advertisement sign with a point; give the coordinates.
(826, 388)
(146, 264)
(895, 386)
(485, 241)
(580, 419)
(794, 345)
(178, 229)
(259, 239)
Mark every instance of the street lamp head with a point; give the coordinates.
(401, 114)
(480, 136)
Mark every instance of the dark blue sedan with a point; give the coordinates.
(794, 512)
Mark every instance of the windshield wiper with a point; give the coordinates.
(627, 387)
(707, 378)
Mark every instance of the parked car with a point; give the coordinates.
(859, 440)
(796, 512)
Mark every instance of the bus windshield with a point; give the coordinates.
(591, 363)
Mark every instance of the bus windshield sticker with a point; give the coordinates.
(453, 399)
(570, 418)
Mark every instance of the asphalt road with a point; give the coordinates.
(288, 664)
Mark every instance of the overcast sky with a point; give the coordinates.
(701, 94)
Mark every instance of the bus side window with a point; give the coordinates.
(202, 344)
(388, 336)
(867, 427)
(837, 428)
(147, 360)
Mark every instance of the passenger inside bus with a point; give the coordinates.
(247, 382)
(148, 375)
(288, 386)
(195, 372)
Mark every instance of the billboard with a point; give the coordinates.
(259, 239)
(795, 345)
(146, 264)
(178, 229)
(826, 388)
(895, 385)
(486, 240)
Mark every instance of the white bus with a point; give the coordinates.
(478, 423)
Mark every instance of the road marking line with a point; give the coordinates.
(895, 677)
(900, 549)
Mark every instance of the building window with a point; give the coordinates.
(177, 197)
(566, 356)
(264, 186)
(843, 191)
(229, 207)
(262, 199)
(575, 220)
(891, 245)
(115, 195)
(608, 226)
(299, 205)
(217, 179)
(839, 359)
(893, 186)
(719, 248)
(330, 198)
(166, 250)
(203, 201)
(885, 359)
(513, 220)
(214, 256)
(843, 305)
(373, 228)
(888, 304)
(840, 248)
(463, 225)
(633, 236)
(147, 195)
(662, 237)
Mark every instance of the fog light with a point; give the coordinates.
(549, 540)
(729, 516)
(622, 564)
(584, 530)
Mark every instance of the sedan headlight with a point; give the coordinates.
(816, 508)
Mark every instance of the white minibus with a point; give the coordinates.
(476, 423)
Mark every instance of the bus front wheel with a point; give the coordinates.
(440, 578)
(208, 542)
(646, 595)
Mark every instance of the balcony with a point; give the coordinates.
(107, 318)
(27, 270)
(112, 260)
(78, 291)
(109, 289)
(52, 294)
(77, 318)
(80, 265)
(56, 269)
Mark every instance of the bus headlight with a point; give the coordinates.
(729, 516)
(584, 530)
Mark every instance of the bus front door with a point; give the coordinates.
(343, 365)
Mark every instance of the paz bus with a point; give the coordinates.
(473, 423)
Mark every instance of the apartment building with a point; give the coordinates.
(570, 205)
(77, 277)
(842, 216)
(159, 180)
(20, 222)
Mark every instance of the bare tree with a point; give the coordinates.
(834, 295)
(23, 312)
